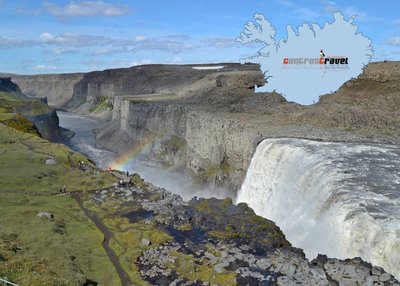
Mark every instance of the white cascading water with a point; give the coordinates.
(339, 199)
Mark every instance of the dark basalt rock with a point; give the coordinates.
(213, 241)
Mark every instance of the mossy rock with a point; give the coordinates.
(226, 221)
(136, 181)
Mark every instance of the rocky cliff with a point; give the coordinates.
(15, 108)
(207, 118)
(57, 88)
(6, 85)
(212, 125)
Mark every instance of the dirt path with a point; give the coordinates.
(125, 281)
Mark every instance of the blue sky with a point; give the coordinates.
(56, 36)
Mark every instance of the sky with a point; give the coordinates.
(55, 36)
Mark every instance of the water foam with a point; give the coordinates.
(339, 199)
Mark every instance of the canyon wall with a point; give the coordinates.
(207, 119)
(212, 126)
(57, 88)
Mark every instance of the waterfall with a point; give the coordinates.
(339, 199)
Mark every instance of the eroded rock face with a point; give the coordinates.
(57, 88)
(219, 120)
(6, 85)
(209, 121)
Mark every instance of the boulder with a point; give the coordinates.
(50, 161)
(145, 242)
(45, 215)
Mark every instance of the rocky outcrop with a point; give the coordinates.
(19, 107)
(57, 88)
(212, 241)
(369, 103)
(147, 79)
(6, 85)
(48, 126)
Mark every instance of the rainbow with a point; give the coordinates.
(122, 162)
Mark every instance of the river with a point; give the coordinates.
(85, 143)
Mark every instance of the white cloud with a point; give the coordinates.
(74, 40)
(9, 43)
(97, 64)
(86, 9)
(394, 41)
(109, 51)
(140, 38)
(177, 60)
(100, 45)
(42, 67)
(221, 42)
(169, 44)
(305, 13)
(360, 16)
(178, 37)
(162, 44)
(330, 6)
(141, 62)
(62, 50)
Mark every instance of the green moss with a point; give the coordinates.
(22, 124)
(24, 105)
(101, 105)
(225, 203)
(227, 234)
(155, 197)
(5, 110)
(187, 267)
(240, 222)
(184, 227)
(211, 249)
(134, 101)
(127, 243)
(203, 206)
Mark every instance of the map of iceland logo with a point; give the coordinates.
(309, 55)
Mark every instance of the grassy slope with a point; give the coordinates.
(11, 103)
(35, 251)
(24, 156)
(62, 251)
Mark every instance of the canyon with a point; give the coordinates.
(208, 123)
